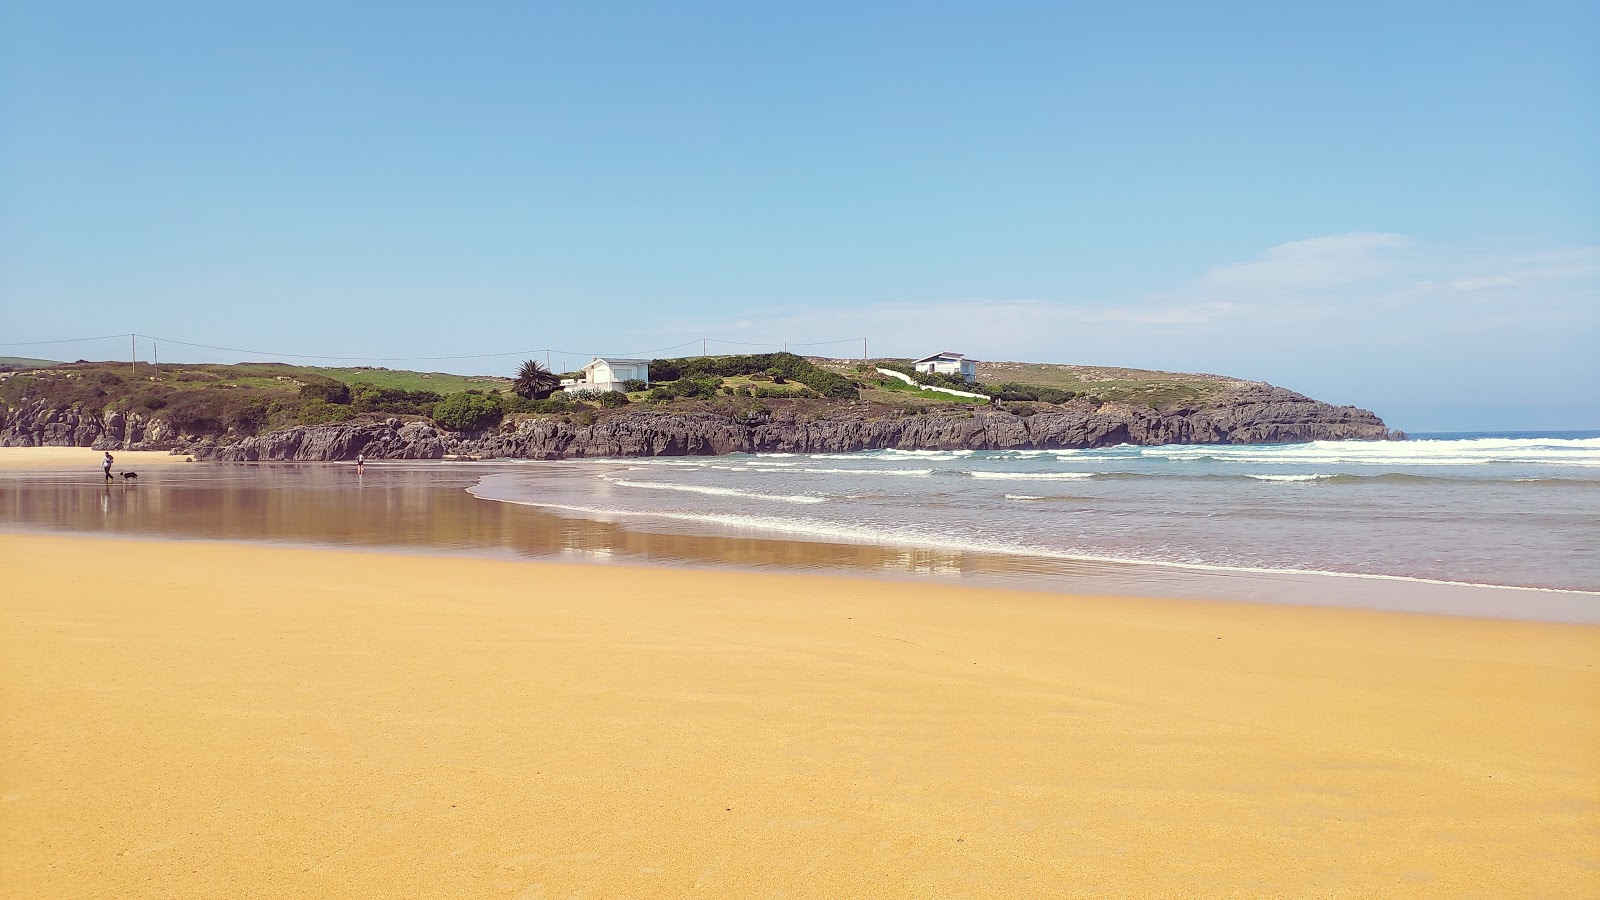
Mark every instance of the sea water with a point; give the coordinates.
(1520, 510)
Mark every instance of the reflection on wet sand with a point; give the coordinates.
(425, 507)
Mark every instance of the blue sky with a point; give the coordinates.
(1391, 205)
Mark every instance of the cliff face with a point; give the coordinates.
(1247, 414)
(1251, 414)
(40, 424)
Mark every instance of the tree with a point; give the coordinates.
(534, 381)
(467, 411)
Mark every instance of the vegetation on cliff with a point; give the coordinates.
(231, 402)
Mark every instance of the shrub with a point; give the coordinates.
(780, 367)
(467, 411)
(556, 404)
(613, 399)
(327, 390)
(1011, 391)
(635, 384)
(368, 397)
(247, 417)
(319, 412)
(196, 413)
(688, 388)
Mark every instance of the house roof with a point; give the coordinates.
(948, 354)
(615, 361)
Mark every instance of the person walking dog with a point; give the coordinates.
(105, 465)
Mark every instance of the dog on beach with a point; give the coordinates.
(129, 476)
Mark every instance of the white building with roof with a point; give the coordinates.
(949, 363)
(608, 374)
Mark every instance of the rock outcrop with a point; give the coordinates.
(39, 424)
(1246, 414)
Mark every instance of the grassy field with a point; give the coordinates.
(896, 392)
(24, 362)
(398, 379)
(1144, 386)
(1155, 389)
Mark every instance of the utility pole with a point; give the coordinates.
(863, 349)
(702, 346)
(155, 352)
(133, 353)
(547, 361)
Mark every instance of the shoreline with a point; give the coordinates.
(220, 719)
(1581, 608)
(645, 536)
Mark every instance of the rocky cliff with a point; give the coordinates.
(1245, 414)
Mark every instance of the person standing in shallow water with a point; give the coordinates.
(361, 461)
(105, 465)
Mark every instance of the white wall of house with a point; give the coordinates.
(965, 369)
(608, 375)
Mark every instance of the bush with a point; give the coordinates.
(556, 404)
(327, 390)
(247, 417)
(1012, 391)
(196, 413)
(319, 412)
(687, 388)
(780, 367)
(368, 397)
(635, 384)
(613, 399)
(467, 411)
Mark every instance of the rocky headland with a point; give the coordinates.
(1246, 413)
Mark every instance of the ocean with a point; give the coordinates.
(1509, 509)
(1504, 525)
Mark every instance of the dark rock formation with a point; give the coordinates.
(1246, 414)
(39, 424)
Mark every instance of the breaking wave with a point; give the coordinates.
(714, 491)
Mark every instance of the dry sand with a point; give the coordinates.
(56, 458)
(212, 720)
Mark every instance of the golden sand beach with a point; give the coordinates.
(217, 720)
(57, 458)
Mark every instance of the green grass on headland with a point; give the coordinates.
(24, 362)
(237, 400)
(1159, 390)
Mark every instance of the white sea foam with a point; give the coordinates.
(714, 491)
(1290, 477)
(1032, 476)
(1583, 452)
(1024, 497)
(913, 473)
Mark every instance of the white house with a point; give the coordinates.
(949, 363)
(603, 374)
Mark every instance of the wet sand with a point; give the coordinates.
(425, 507)
(194, 719)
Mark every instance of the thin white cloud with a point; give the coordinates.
(1314, 264)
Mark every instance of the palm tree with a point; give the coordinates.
(534, 381)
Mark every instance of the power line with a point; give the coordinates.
(104, 337)
(312, 356)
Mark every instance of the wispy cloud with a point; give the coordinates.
(1337, 294)
(1308, 265)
